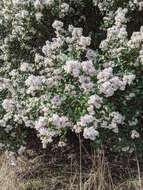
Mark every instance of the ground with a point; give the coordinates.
(70, 168)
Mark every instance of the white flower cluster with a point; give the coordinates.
(95, 101)
(109, 7)
(60, 122)
(33, 83)
(136, 39)
(90, 133)
(8, 105)
(116, 34)
(109, 84)
(75, 68)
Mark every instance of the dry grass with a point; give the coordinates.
(8, 178)
(36, 174)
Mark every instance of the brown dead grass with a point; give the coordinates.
(8, 179)
(36, 174)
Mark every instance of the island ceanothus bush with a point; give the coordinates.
(53, 80)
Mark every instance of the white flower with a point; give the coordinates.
(38, 58)
(86, 120)
(77, 129)
(73, 68)
(86, 84)
(84, 41)
(105, 74)
(140, 6)
(113, 126)
(76, 32)
(43, 131)
(122, 33)
(45, 109)
(91, 54)
(59, 122)
(120, 16)
(91, 110)
(88, 68)
(8, 105)
(25, 67)
(136, 39)
(61, 144)
(34, 83)
(117, 83)
(41, 123)
(134, 134)
(64, 7)
(58, 25)
(110, 86)
(56, 100)
(107, 89)
(90, 133)
(48, 2)
(128, 79)
(95, 100)
(4, 83)
(133, 122)
(8, 128)
(37, 4)
(47, 136)
(38, 16)
(13, 73)
(21, 150)
(117, 117)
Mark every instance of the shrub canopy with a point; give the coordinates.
(71, 66)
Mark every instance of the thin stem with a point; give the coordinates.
(80, 152)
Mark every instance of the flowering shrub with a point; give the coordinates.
(54, 80)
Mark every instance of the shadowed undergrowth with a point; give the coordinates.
(70, 171)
